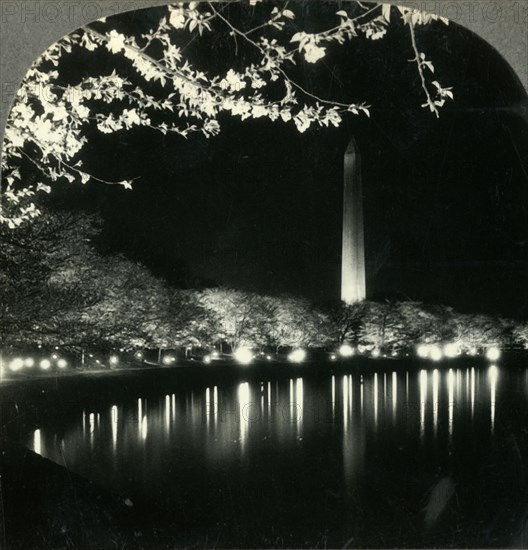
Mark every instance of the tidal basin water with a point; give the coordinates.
(434, 457)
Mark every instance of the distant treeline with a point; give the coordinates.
(56, 289)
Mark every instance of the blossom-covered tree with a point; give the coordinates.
(170, 93)
(346, 320)
(235, 314)
(37, 285)
(298, 323)
(56, 289)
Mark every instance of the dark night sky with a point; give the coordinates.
(259, 207)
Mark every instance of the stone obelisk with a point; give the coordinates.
(353, 287)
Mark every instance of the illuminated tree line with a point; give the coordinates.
(57, 289)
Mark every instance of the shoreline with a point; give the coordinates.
(373, 364)
(135, 381)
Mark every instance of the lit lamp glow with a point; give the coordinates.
(138, 355)
(375, 352)
(16, 364)
(451, 350)
(243, 356)
(422, 351)
(45, 364)
(436, 353)
(346, 350)
(29, 362)
(493, 353)
(114, 359)
(62, 364)
(207, 359)
(297, 356)
(168, 359)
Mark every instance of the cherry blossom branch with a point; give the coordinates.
(419, 66)
(280, 69)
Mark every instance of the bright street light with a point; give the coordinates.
(493, 353)
(16, 364)
(422, 351)
(435, 353)
(346, 350)
(297, 356)
(243, 356)
(451, 350)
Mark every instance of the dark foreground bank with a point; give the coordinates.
(47, 506)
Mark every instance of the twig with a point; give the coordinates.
(430, 101)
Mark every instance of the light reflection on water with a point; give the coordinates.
(375, 399)
(259, 407)
(423, 402)
(37, 441)
(493, 374)
(114, 420)
(394, 395)
(435, 401)
(341, 423)
(450, 401)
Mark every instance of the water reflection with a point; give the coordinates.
(394, 395)
(450, 401)
(244, 396)
(423, 402)
(37, 441)
(345, 402)
(493, 375)
(259, 406)
(375, 397)
(144, 427)
(435, 401)
(168, 412)
(91, 429)
(114, 420)
(361, 394)
(329, 431)
(299, 397)
(472, 392)
(333, 396)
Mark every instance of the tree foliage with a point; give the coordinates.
(57, 289)
(50, 120)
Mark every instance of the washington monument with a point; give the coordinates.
(353, 288)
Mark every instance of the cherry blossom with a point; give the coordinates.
(48, 123)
